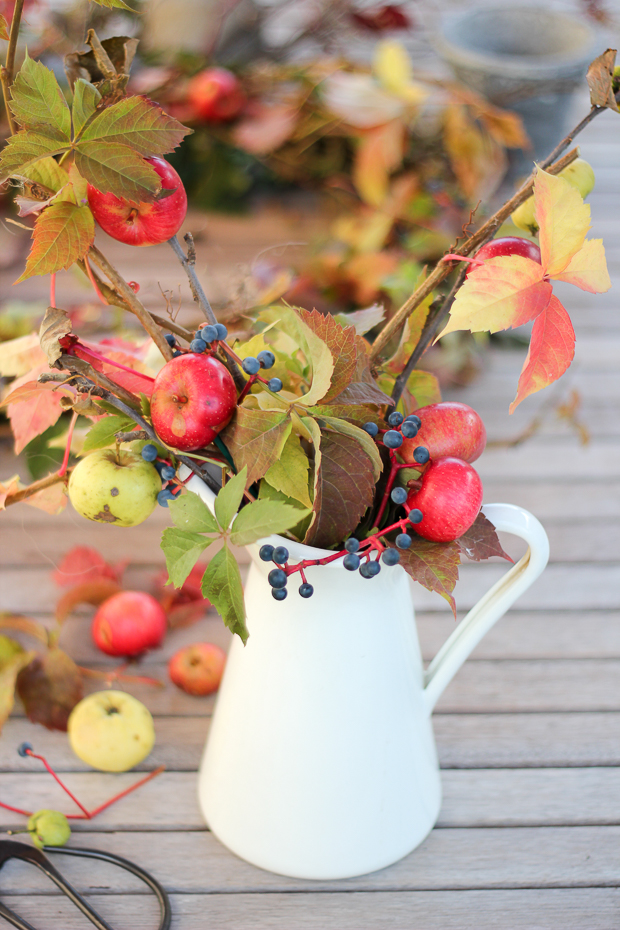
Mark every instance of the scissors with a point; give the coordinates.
(9, 849)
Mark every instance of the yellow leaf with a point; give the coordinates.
(502, 293)
(563, 218)
(380, 151)
(290, 473)
(588, 268)
(392, 65)
(18, 356)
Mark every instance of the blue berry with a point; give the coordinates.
(306, 590)
(413, 418)
(221, 331)
(369, 569)
(421, 455)
(170, 339)
(208, 333)
(277, 578)
(415, 516)
(351, 562)
(391, 557)
(280, 555)
(177, 353)
(279, 593)
(395, 418)
(409, 429)
(250, 365)
(266, 358)
(266, 553)
(403, 540)
(160, 467)
(168, 472)
(149, 452)
(399, 495)
(371, 428)
(23, 748)
(352, 544)
(197, 345)
(392, 439)
(164, 497)
(275, 385)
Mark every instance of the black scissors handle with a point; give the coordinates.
(10, 849)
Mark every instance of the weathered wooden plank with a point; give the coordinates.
(195, 862)
(472, 798)
(535, 909)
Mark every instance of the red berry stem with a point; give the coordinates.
(34, 755)
(122, 794)
(248, 386)
(388, 487)
(15, 810)
(93, 281)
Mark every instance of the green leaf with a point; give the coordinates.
(86, 98)
(424, 388)
(361, 436)
(313, 347)
(434, 565)
(37, 101)
(229, 499)
(138, 123)
(145, 405)
(289, 473)
(268, 493)
(255, 439)
(262, 518)
(114, 4)
(48, 173)
(345, 486)
(101, 433)
(182, 550)
(189, 512)
(343, 345)
(63, 234)
(221, 584)
(4, 28)
(117, 169)
(25, 148)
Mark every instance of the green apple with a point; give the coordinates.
(579, 175)
(111, 731)
(48, 828)
(111, 487)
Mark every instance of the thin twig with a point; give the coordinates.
(131, 300)
(36, 486)
(7, 73)
(85, 369)
(188, 261)
(175, 328)
(486, 232)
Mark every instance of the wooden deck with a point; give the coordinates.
(528, 733)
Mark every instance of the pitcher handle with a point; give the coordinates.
(494, 604)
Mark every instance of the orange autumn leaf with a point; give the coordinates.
(8, 487)
(32, 408)
(552, 349)
(380, 151)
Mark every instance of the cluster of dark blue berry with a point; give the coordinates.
(264, 359)
(278, 577)
(167, 472)
(206, 336)
(402, 428)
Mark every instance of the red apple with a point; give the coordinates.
(142, 223)
(448, 428)
(215, 95)
(450, 499)
(129, 623)
(194, 397)
(508, 245)
(197, 669)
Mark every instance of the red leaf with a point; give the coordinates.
(381, 18)
(93, 592)
(32, 416)
(552, 348)
(185, 605)
(434, 565)
(49, 688)
(82, 564)
(481, 541)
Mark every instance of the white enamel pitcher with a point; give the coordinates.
(321, 761)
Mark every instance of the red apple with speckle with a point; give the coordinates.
(215, 95)
(129, 623)
(142, 223)
(450, 499)
(193, 398)
(448, 428)
(198, 669)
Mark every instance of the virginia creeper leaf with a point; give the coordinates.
(32, 415)
(86, 98)
(83, 563)
(600, 80)
(289, 473)
(21, 355)
(48, 173)
(182, 550)
(552, 348)
(8, 487)
(221, 584)
(37, 101)
(255, 439)
(563, 218)
(49, 688)
(114, 4)
(24, 625)
(23, 149)
(481, 541)
(343, 345)
(345, 487)
(138, 123)
(94, 592)
(9, 671)
(116, 169)
(367, 443)
(424, 388)
(434, 565)
(314, 349)
(229, 499)
(4, 28)
(502, 293)
(588, 268)
(263, 518)
(189, 512)
(62, 235)
(101, 433)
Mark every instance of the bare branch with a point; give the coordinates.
(188, 261)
